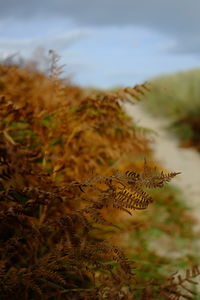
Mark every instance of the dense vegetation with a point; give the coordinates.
(177, 97)
(72, 173)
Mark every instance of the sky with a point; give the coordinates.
(105, 43)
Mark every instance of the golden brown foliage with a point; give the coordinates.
(181, 287)
(58, 147)
(46, 245)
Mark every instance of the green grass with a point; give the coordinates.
(177, 97)
(173, 95)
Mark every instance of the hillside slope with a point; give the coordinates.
(177, 97)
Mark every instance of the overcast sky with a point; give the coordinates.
(108, 42)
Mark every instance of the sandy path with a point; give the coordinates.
(172, 157)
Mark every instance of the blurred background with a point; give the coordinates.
(73, 133)
(103, 43)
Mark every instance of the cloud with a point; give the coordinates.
(177, 19)
(187, 44)
(57, 42)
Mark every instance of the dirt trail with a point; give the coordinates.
(172, 157)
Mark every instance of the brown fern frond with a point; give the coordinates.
(126, 94)
(149, 178)
(97, 217)
(178, 287)
(105, 251)
(133, 199)
(51, 275)
(122, 259)
(152, 178)
(131, 194)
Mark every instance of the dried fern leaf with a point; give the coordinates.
(133, 199)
